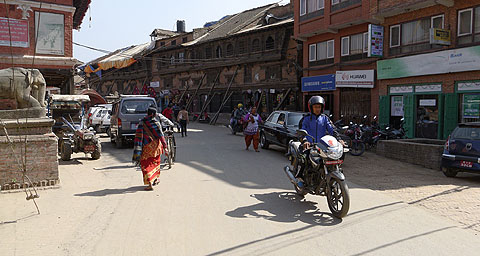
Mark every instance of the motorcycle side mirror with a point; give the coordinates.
(302, 133)
(351, 123)
(403, 119)
(365, 116)
(375, 118)
(345, 127)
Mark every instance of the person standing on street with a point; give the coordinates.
(252, 119)
(183, 119)
(149, 146)
(176, 109)
(168, 112)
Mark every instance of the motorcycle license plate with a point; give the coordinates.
(89, 148)
(466, 164)
(334, 162)
(133, 126)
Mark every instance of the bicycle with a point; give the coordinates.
(171, 146)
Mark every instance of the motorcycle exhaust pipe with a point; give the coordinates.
(290, 175)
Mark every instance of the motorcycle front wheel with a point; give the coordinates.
(338, 198)
(357, 148)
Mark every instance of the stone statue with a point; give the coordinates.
(26, 86)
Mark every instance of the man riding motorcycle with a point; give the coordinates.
(238, 115)
(317, 125)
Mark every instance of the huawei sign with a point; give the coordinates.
(355, 78)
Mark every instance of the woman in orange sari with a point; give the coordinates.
(149, 147)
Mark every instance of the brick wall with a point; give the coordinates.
(413, 151)
(42, 161)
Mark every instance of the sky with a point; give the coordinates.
(117, 24)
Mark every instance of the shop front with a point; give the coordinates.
(421, 106)
(319, 86)
(427, 92)
(355, 94)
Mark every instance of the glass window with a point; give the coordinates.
(312, 52)
(356, 44)
(437, 21)
(312, 6)
(320, 4)
(273, 117)
(477, 20)
(469, 133)
(330, 49)
(294, 119)
(415, 32)
(281, 119)
(322, 51)
(136, 106)
(345, 46)
(365, 42)
(303, 7)
(465, 22)
(181, 56)
(395, 36)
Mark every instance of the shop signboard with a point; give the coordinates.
(18, 32)
(318, 83)
(428, 103)
(471, 106)
(428, 88)
(355, 79)
(155, 84)
(443, 62)
(397, 106)
(375, 39)
(440, 36)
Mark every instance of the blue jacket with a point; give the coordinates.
(317, 126)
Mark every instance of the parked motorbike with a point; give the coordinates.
(236, 127)
(322, 172)
(204, 118)
(395, 134)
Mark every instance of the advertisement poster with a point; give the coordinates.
(397, 106)
(471, 106)
(375, 37)
(51, 33)
(18, 32)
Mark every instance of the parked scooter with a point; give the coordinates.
(322, 172)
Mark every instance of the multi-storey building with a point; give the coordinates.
(431, 72)
(335, 49)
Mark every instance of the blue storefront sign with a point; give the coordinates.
(318, 83)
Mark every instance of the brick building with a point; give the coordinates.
(52, 54)
(335, 49)
(430, 74)
(253, 51)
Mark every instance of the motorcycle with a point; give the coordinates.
(322, 172)
(236, 126)
(357, 146)
(205, 118)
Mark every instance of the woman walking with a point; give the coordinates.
(252, 119)
(149, 147)
(183, 119)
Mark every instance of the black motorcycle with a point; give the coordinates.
(322, 172)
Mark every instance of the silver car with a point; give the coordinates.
(127, 112)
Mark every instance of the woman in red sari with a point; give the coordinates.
(149, 147)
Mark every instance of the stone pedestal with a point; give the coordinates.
(41, 152)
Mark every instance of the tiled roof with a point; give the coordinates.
(81, 8)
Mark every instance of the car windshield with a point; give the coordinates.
(294, 119)
(136, 106)
(469, 133)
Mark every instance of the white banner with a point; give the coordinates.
(356, 79)
(155, 84)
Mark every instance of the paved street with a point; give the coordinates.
(222, 200)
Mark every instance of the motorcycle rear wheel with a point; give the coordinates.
(357, 148)
(338, 198)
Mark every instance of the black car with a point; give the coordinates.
(462, 150)
(279, 128)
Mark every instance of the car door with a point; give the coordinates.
(280, 128)
(269, 127)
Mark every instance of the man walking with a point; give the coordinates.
(183, 119)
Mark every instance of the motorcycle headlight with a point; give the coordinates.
(87, 136)
(335, 152)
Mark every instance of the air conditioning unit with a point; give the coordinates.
(440, 36)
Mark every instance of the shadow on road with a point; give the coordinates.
(286, 208)
(74, 161)
(107, 192)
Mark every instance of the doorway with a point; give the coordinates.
(427, 116)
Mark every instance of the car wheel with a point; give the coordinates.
(449, 172)
(263, 141)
